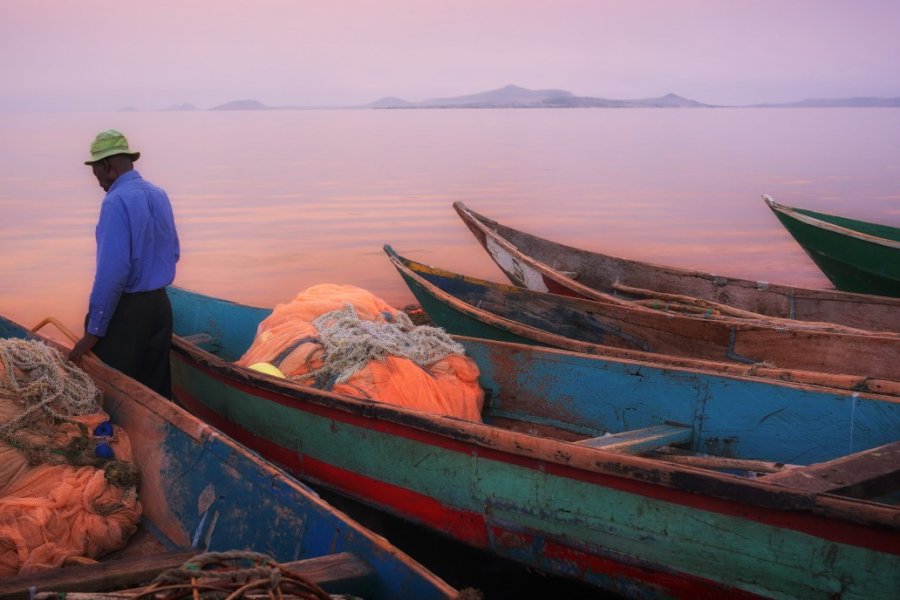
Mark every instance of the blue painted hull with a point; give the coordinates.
(541, 482)
(200, 489)
(466, 305)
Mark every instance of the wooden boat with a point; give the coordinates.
(583, 325)
(542, 265)
(202, 492)
(855, 255)
(553, 478)
(561, 326)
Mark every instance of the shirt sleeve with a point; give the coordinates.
(113, 266)
(177, 244)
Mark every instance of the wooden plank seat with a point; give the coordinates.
(637, 441)
(342, 572)
(106, 575)
(867, 474)
(721, 463)
(338, 573)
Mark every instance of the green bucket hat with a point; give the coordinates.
(110, 143)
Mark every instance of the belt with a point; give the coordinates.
(147, 293)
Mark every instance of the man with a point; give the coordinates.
(129, 320)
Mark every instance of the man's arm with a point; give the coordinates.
(85, 344)
(113, 266)
(113, 261)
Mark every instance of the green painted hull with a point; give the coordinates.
(635, 525)
(855, 256)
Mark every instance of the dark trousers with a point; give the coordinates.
(138, 339)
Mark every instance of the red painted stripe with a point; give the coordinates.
(554, 287)
(808, 523)
(675, 584)
(466, 526)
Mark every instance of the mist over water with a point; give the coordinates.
(271, 202)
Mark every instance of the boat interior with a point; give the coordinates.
(741, 426)
(197, 489)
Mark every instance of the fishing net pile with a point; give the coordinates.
(347, 340)
(68, 486)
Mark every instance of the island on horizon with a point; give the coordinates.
(513, 96)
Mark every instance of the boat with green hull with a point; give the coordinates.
(651, 481)
(856, 256)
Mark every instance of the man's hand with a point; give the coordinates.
(84, 345)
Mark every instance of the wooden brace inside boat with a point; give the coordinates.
(637, 441)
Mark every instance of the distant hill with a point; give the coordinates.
(859, 102)
(513, 96)
(509, 96)
(241, 105)
(389, 102)
(667, 101)
(182, 106)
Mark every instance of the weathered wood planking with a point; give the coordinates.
(103, 576)
(544, 265)
(867, 474)
(469, 306)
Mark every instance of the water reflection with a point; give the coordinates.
(269, 203)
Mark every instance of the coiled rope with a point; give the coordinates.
(229, 576)
(40, 389)
(51, 386)
(349, 343)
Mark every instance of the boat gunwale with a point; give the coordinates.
(737, 324)
(792, 213)
(566, 455)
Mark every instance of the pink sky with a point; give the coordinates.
(101, 55)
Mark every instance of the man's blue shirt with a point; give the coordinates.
(137, 246)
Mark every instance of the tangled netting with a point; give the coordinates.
(350, 342)
(68, 483)
(231, 575)
(346, 340)
(48, 385)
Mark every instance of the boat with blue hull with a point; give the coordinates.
(467, 305)
(648, 480)
(202, 492)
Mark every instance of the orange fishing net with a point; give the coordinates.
(67, 479)
(386, 358)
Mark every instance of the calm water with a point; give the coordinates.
(269, 203)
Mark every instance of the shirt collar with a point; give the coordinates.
(123, 179)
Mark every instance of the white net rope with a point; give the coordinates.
(45, 385)
(349, 343)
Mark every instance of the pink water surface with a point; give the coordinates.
(271, 202)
